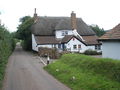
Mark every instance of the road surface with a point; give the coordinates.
(25, 72)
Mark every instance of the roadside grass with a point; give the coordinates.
(81, 72)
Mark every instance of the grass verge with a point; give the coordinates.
(80, 72)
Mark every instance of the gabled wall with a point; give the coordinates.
(75, 41)
(111, 49)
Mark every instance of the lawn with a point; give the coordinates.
(80, 72)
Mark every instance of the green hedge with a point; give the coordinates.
(7, 45)
(92, 52)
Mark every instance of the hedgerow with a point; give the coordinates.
(7, 45)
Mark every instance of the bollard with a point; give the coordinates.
(48, 60)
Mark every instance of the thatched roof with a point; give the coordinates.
(48, 25)
(89, 40)
(46, 40)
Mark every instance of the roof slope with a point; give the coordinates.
(89, 40)
(47, 26)
(113, 34)
(46, 40)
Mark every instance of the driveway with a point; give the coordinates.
(25, 72)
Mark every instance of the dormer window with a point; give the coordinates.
(64, 33)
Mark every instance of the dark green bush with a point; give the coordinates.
(7, 45)
(91, 52)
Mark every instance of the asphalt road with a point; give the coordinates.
(25, 72)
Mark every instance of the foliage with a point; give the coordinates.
(52, 52)
(7, 45)
(24, 32)
(89, 73)
(99, 32)
(91, 52)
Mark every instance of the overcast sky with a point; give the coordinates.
(104, 13)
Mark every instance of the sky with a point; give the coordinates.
(104, 13)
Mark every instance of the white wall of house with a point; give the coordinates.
(72, 42)
(69, 45)
(34, 44)
(48, 46)
(62, 33)
(111, 49)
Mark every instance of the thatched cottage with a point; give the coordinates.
(64, 33)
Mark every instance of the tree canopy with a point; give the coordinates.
(99, 31)
(24, 32)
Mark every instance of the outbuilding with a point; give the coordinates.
(111, 43)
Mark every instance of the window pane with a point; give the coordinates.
(66, 32)
(74, 46)
(79, 46)
(95, 47)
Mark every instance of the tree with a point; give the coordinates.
(99, 31)
(24, 32)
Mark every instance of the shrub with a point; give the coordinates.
(91, 52)
(7, 45)
(52, 52)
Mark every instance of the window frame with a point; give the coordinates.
(75, 47)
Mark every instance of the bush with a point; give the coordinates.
(91, 52)
(7, 45)
(52, 52)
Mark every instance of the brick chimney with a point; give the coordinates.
(73, 20)
(35, 14)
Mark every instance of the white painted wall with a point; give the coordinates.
(34, 44)
(48, 46)
(58, 33)
(69, 45)
(72, 42)
(111, 49)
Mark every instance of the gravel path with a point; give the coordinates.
(25, 72)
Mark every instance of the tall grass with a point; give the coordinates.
(89, 73)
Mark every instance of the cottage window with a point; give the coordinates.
(59, 45)
(79, 46)
(74, 46)
(97, 47)
(66, 32)
(63, 34)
